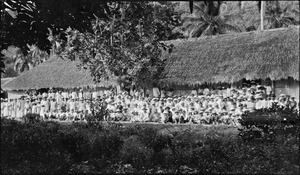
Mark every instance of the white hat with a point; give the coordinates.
(282, 95)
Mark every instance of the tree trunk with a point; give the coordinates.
(262, 15)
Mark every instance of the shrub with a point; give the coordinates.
(32, 118)
(31, 147)
(136, 153)
(269, 123)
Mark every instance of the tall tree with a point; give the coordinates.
(127, 45)
(207, 20)
(277, 17)
(27, 22)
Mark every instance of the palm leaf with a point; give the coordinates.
(233, 16)
(230, 27)
(208, 31)
(200, 12)
(188, 26)
(199, 30)
(192, 19)
(286, 8)
(296, 11)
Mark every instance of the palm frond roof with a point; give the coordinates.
(229, 58)
(55, 73)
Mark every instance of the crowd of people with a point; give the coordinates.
(203, 106)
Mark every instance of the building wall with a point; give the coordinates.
(15, 94)
(288, 87)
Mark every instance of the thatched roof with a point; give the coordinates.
(54, 73)
(229, 58)
(5, 80)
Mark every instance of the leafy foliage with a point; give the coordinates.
(126, 45)
(14, 57)
(277, 17)
(207, 20)
(32, 118)
(268, 123)
(26, 22)
(50, 147)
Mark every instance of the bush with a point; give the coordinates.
(31, 147)
(32, 118)
(136, 153)
(269, 123)
(50, 147)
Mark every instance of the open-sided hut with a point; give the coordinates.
(229, 58)
(55, 73)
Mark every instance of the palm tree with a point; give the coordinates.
(23, 64)
(11, 54)
(37, 56)
(277, 17)
(207, 20)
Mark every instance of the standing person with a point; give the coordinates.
(27, 107)
(206, 91)
(34, 108)
(4, 108)
(80, 94)
(74, 94)
(281, 100)
(72, 105)
(53, 106)
(14, 108)
(258, 104)
(42, 110)
(18, 108)
(293, 103)
(59, 97)
(44, 107)
(81, 105)
(251, 104)
(162, 93)
(10, 108)
(45, 95)
(287, 101)
(38, 107)
(156, 92)
(22, 107)
(51, 93)
(65, 94)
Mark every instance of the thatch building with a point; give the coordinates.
(55, 73)
(269, 54)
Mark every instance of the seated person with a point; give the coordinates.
(126, 115)
(155, 116)
(145, 114)
(206, 117)
(167, 115)
(134, 112)
(176, 116)
(214, 118)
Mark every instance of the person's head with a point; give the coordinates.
(167, 109)
(182, 104)
(273, 97)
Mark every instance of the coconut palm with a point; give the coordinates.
(11, 54)
(207, 20)
(277, 17)
(23, 64)
(37, 56)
